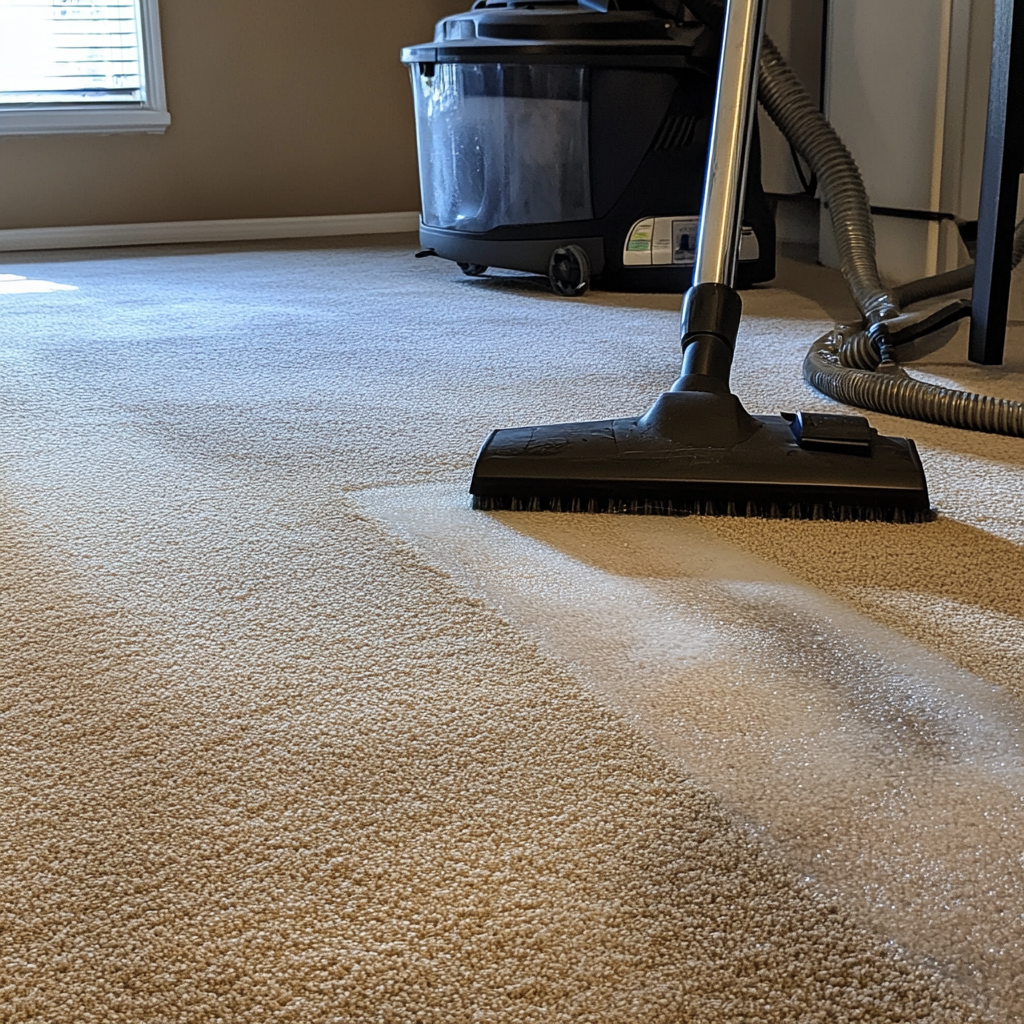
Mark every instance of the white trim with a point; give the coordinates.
(153, 55)
(260, 228)
(83, 120)
(92, 119)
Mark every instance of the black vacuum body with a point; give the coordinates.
(566, 141)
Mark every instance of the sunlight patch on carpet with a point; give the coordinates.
(15, 284)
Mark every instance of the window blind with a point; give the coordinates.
(70, 51)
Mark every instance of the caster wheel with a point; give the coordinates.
(569, 271)
(472, 269)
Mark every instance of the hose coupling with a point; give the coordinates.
(878, 335)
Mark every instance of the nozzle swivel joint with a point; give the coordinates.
(710, 323)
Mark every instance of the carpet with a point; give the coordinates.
(287, 733)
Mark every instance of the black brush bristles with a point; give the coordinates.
(749, 510)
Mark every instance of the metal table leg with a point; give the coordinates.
(1004, 162)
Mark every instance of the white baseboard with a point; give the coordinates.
(261, 228)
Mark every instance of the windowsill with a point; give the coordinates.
(83, 120)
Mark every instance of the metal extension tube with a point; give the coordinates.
(725, 181)
(711, 308)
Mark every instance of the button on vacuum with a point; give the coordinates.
(818, 431)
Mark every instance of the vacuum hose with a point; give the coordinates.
(931, 287)
(857, 367)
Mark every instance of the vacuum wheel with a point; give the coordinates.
(569, 271)
(472, 269)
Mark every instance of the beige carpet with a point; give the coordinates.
(287, 733)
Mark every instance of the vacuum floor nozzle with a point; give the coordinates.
(700, 453)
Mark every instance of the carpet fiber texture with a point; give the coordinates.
(287, 733)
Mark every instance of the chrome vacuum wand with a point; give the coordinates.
(712, 307)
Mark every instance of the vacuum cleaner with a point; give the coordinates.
(697, 450)
(567, 139)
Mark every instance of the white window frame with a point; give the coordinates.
(94, 119)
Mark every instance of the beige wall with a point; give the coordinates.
(279, 110)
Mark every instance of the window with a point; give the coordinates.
(73, 66)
